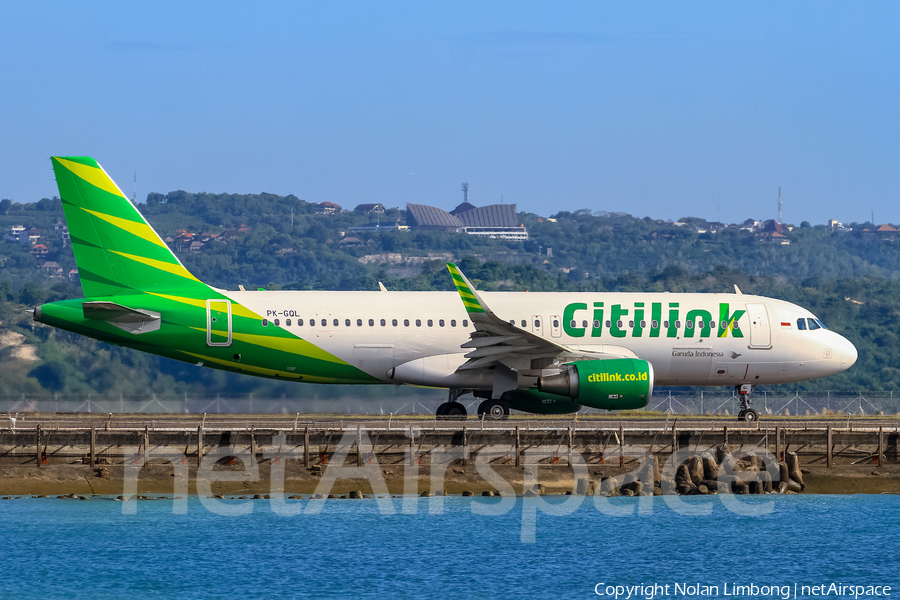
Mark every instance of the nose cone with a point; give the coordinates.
(847, 352)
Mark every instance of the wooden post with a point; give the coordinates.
(674, 440)
(358, 449)
(37, 445)
(306, 447)
(621, 445)
(412, 447)
(518, 460)
(880, 447)
(778, 444)
(569, 454)
(828, 462)
(146, 444)
(725, 434)
(93, 447)
(252, 446)
(465, 458)
(199, 445)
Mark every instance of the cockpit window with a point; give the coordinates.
(814, 324)
(801, 324)
(821, 324)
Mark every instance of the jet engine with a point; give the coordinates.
(614, 384)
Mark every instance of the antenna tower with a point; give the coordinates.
(465, 189)
(779, 205)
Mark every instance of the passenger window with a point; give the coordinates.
(346, 322)
(665, 324)
(801, 324)
(441, 322)
(654, 324)
(524, 323)
(608, 324)
(619, 324)
(277, 323)
(555, 323)
(383, 322)
(813, 324)
(689, 324)
(336, 322)
(406, 322)
(512, 322)
(359, 322)
(724, 324)
(299, 322)
(430, 323)
(700, 324)
(452, 322)
(677, 324)
(324, 323)
(465, 322)
(394, 322)
(631, 324)
(584, 323)
(418, 322)
(643, 324)
(265, 322)
(596, 324)
(736, 325)
(287, 322)
(371, 322)
(537, 323)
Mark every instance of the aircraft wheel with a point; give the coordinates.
(441, 410)
(741, 415)
(496, 410)
(750, 415)
(455, 411)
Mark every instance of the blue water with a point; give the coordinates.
(55, 548)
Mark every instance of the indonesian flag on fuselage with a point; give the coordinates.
(785, 325)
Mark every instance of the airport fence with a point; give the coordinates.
(415, 402)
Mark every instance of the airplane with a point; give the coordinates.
(543, 353)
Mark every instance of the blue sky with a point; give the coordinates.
(655, 109)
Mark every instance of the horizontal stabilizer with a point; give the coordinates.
(128, 319)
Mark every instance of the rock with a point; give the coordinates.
(318, 496)
(332, 497)
(530, 493)
(498, 493)
(355, 494)
(683, 476)
(657, 491)
(103, 473)
(710, 466)
(295, 497)
(793, 465)
(459, 471)
(721, 453)
(684, 490)
(627, 492)
(219, 496)
(695, 470)
(702, 489)
(581, 486)
(467, 493)
(740, 488)
(387, 472)
(487, 494)
(636, 487)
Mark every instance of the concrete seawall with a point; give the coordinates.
(57, 454)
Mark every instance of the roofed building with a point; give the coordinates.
(495, 220)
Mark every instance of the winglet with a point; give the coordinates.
(470, 298)
(737, 290)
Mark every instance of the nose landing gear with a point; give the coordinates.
(746, 413)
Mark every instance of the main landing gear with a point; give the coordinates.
(453, 410)
(746, 413)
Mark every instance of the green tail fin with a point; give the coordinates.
(116, 250)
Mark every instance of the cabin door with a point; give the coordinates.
(218, 322)
(760, 332)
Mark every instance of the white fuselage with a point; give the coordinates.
(690, 339)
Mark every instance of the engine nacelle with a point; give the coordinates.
(614, 384)
(540, 403)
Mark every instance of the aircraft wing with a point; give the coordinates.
(497, 341)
